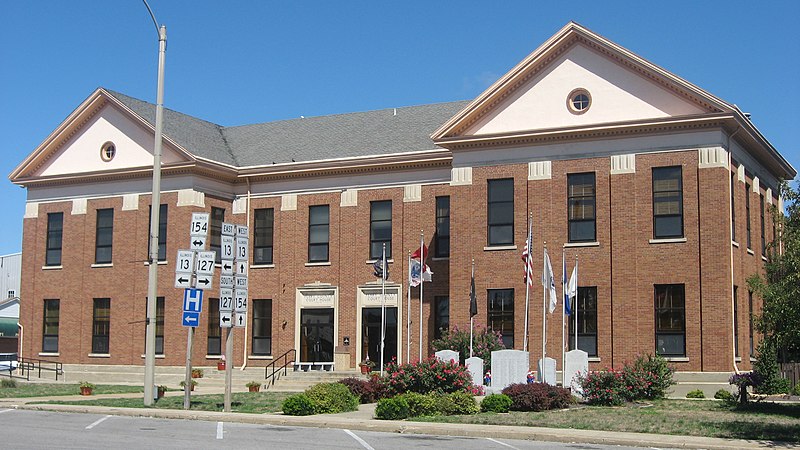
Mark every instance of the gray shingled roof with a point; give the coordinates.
(380, 132)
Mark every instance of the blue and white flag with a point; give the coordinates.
(564, 287)
(549, 282)
(572, 288)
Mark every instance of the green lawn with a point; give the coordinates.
(244, 402)
(763, 421)
(25, 389)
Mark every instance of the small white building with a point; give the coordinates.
(9, 301)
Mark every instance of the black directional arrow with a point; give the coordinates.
(182, 280)
(197, 243)
(226, 319)
(226, 267)
(204, 281)
(240, 319)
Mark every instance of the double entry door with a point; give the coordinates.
(316, 335)
(371, 335)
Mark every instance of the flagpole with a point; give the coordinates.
(408, 315)
(421, 283)
(471, 317)
(563, 311)
(576, 301)
(528, 276)
(383, 302)
(544, 314)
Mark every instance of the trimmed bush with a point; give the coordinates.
(331, 398)
(420, 404)
(537, 397)
(498, 403)
(368, 391)
(8, 383)
(430, 375)
(395, 408)
(459, 403)
(697, 393)
(298, 405)
(725, 395)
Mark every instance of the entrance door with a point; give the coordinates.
(371, 335)
(316, 335)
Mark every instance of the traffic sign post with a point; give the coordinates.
(234, 256)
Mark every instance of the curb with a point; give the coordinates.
(563, 435)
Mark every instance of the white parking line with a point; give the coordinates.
(359, 440)
(98, 422)
(5, 410)
(502, 443)
(219, 430)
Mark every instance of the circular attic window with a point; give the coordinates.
(108, 151)
(579, 101)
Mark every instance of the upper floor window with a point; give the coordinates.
(380, 228)
(318, 233)
(667, 202)
(581, 207)
(162, 233)
(442, 247)
(763, 227)
(264, 220)
(104, 236)
(747, 214)
(215, 238)
(670, 309)
(733, 207)
(500, 212)
(55, 228)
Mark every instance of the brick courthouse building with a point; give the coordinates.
(662, 191)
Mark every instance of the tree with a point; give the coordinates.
(779, 321)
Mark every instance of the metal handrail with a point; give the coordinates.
(270, 377)
(27, 365)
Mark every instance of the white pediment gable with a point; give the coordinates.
(618, 94)
(81, 152)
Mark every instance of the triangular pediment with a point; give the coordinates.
(621, 88)
(75, 148)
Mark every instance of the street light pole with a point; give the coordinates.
(155, 209)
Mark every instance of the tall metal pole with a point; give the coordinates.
(408, 313)
(228, 370)
(152, 279)
(187, 380)
(421, 283)
(383, 302)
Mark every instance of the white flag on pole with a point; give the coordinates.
(549, 282)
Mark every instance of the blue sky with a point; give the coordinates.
(239, 62)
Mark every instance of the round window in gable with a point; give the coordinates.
(579, 101)
(108, 151)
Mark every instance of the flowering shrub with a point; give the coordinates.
(605, 388)
(484, 342)
(368, 391)
(649, 377)
(743, 381)
(537, 397)
(430, 375)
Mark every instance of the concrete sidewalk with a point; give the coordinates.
(363, 420)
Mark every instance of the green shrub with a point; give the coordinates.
(537, 397)
(430, 375)
(395, 408)
(368, 391)
(298, 405)
(8, 383)
(697, 393)
(725, 395)
(420, 404)
(331, 398)
(485, 342)
(460, 403)
(767, 368)
(605, 388)
(796, 390)
(649, 377)
(499, 403)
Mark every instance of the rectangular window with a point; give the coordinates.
(104, 236)
(262, 235)
(55, 228)
(670, 309)
(159, 325)
(50, 332)
(500, 212)
(318, 233)
(733, 207)
(501, 314)
(747, 213)
(441, 318)
(442, 247)
(763, 228)
(587, 321)
(214, 335)
(215, 232)
(667, 202)
(262, 327)
(380, 228)
(736, 321)
(581, 194)
(101, 321)
(750, 326)
(162, 234)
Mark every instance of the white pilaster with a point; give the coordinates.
(712, 157)
(239, 205)
(623, 164)
(289, 202)
(740, 173)
(31, 210)
(540, 170)
(130, 202)
(349, 198)
(78, 206)
(412, 193)
(461, 176)
(190, 197)
(756, 185)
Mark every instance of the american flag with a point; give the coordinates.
(528, 261)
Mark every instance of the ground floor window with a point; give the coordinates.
(501, 314)
(587, 321)
(50, 332)
(441, 316)
(101, 325)
(670, 312)
(262, 327)
(159, 325)
(214, 344)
